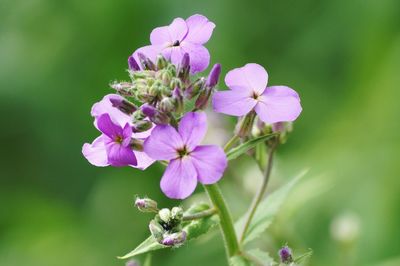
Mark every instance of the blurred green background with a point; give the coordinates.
(58, 57)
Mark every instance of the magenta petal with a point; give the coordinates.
(250, 76)
(210, 162)
(143, 160)
(200, 29)
(278, 104)
(163, 143)
(179, 179)
(167, 35)
(95, 152)
(105, 106)
(107, 126)
(119, 155)
(233, 102)
(199, 56)
(192, 128)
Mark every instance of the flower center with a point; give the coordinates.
(183, 152)
(255, 95)
(176, 43)
(118, 139)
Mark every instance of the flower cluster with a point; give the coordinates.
(157, 115)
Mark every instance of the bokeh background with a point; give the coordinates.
(58, 57)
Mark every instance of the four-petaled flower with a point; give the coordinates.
(189, 162)
(181, 37)
(249, 91)
(113, 146)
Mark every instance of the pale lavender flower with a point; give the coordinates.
(249, 91)
(181, 37)
(189, 162)
(98, 152)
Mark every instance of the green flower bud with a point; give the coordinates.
(167, 104)
(165, 215)
(146, 205)
(142, 125)
(137, 145)
(177, 213)
(245, 125)
(157, 231)
(174, 239)
(161, 62)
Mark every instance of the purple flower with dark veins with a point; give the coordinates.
(189, 162)
(249, 91)
(113, 147)
(181, 37)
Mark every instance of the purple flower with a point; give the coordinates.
(189, 161)
(181, 37)
(285, 254)
(249, 91)
(112, 147)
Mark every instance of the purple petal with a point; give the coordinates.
(106, 125)
(105, 106)
(167, 35)
(192, 128)
(210, 162)
(119, 155)
(233, 102)
(151, 51)
(126, 135)
(199, 56)
(251, 76)
(163, 143)
(179, 179)
(278, 104)
(143, 160)
(95, 152)
(200, 29)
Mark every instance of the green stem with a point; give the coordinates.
(225, 219)
(231, 142)
(199, 215)
(261, 191)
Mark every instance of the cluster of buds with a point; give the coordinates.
(260, 128)
(285, 255)
(166, 227)
(162, 90)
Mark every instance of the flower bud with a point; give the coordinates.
(213, 77)
(123, 105)
(147, 64)
(184, 68)
(202, 101)
(161, 62)
(195, 88)
(172, 69)
(157, 231)
(175, 82)
(174, 239)
(154, 115)
(176, 213)
(141, 126)
(285, 254)
(138, 115)
(146, 205)
(178, 100)
(123, 88)
(165, 215)
(245, 125)
(132, 263)
(167, 104)
(136, 144)
(133, 65)
(155, 89)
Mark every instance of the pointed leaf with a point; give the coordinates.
(244, 147)
(266, 211)
(149, 244)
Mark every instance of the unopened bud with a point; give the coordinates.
(141, 126)
(154, 115)
(202, 100)
(175, 82)
(161, 62)
(123, 105)
(146, 205)
(132, 263)
(178, 97)
(165, 215)
(174, 239)
(172, 69)
(155, 89)
(245, 124)
(184, 68)
(133, 65)
(157, 231)
(176, 213)
(167, 104)
(213, 77)
(147, 64)
(138, 115)
(136, 144)
(123, 88)
(194, 89)
(285, 254)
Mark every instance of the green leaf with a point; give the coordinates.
(193, 229)
(252, 257)
(266, 211)
(244, 147)
(149, 244)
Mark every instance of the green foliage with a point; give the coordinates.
(253, 257)
(266, 211)
(244, 147)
